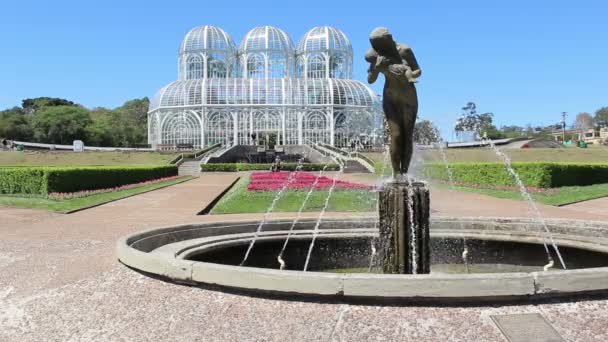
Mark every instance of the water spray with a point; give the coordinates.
(465, 254)
(549, 265)
(281, 262)
(526, 195)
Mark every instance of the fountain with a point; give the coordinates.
(420, 257)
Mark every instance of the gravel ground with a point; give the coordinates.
(60, 281)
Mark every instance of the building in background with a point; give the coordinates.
(264, 92)
(597, 135)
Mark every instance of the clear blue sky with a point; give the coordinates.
(525, 61)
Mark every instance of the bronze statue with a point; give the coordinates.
(399, 99)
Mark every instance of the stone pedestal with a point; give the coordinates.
(404, 244)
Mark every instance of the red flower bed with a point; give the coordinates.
(265, 180)
(84, 193)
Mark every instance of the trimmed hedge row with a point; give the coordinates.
(541, 175)
(44, 180)
(233, 167)
(23, 180)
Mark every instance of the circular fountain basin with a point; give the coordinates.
(506, 259)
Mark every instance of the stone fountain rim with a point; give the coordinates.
(442, 287)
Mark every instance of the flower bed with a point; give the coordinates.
(84, 193)
(265, 180)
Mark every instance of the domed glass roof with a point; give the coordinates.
(291, 91)
(207, 37)
(266, 38)
(322, 38)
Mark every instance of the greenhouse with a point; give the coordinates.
(264, 92)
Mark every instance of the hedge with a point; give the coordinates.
(233, 167)
(44, 180)
(541, 175)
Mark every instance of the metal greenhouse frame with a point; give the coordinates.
(265, 89)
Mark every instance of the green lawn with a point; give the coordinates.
(83, 158)
(240, 200)
(65, 206)
(561, 196)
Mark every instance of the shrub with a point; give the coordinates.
(23, 180)
(219, 167)
(44, 180)
(233, 167)
(541, 175)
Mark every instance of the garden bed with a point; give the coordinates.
(241, 200)
(263, 180)
(68, 203)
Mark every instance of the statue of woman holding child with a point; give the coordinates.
(399, 99)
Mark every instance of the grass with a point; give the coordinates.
(57, 158)
(240, 200)
(65, 206)
(559, 196)
(597, 155)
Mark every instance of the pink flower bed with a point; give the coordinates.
(265, 180)
(84, 193)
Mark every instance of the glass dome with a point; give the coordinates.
(239, 91)
(224, 94)
(266, 52)
(324, 52)
(206, 52)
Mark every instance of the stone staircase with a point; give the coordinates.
(190, 167)
(351, 164)
(354, 166)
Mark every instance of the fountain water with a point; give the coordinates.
(299, 215)
(526, 195)
(276, 198)
(414, 229)
(448, 169)
(385, 157)
(323, 210)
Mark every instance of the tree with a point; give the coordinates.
(583, 121)
(514, 131)
(103, 129)
(471, 121)
(60, 121)
(491, 132)
(61, 124)
(425, 133)
(133, 116)
(32, 105)
(15, 124)
(601, 116)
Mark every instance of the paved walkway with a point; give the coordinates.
(59, 280)
(594, 207)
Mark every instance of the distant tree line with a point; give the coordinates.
(481, 124)
(59, 121)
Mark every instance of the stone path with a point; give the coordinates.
(594, 207)
(59, 280)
